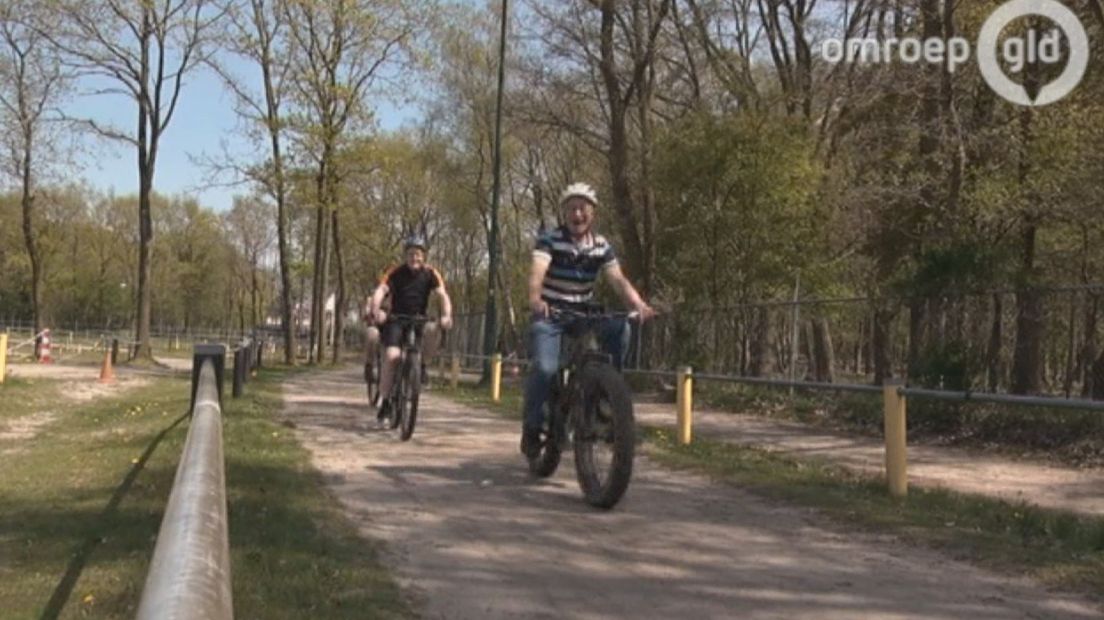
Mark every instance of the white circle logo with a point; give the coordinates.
(989, 42)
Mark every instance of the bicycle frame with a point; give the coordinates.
(578, 346)
(411, 342)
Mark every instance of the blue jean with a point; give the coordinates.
(544, 356)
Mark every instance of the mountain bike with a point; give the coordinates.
(372, 375)
(407, 384)
(589, 407)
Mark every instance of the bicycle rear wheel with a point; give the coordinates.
(371, 381)
(605, 435)
(411, 387)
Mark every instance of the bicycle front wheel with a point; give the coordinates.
(605, 435)
(411, 387)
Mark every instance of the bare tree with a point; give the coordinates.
(144, 50)
(341, 50)
(32, 81)
(637, 230)
(249, 224)
(257, 32)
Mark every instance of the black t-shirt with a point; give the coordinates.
(410, 289)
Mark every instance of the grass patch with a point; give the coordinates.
(81, 504)
(294, 553)
(1058, 548)
(20, 397)
(82, 501)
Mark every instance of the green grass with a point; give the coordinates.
(20, 397)
(81, 504)
(294, 553)
(1060, 549)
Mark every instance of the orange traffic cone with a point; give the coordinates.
(107, 373)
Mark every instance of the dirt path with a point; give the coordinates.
(1078, 490)
(473, 536)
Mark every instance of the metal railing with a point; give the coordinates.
(894, 395)
(189, 575)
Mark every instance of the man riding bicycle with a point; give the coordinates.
(409, 286)
(566, 263)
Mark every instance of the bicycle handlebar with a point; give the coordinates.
(592, 314)
(409, 318)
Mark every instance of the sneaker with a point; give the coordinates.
(530, 444)
(384, 414)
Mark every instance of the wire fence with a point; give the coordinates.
(1044, 342)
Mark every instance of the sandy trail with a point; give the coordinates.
(473, 536)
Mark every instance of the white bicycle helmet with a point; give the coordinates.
(579, 190)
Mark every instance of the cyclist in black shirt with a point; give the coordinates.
(409, 286)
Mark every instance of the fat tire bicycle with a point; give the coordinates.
(589, 407)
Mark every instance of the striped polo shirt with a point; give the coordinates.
(573, 266)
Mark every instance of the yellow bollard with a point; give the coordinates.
(455, 378)
(3, 356)
(685, 405)
(896, 457)
(496, 377)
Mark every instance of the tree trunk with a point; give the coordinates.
(762, 352)
(339, 303)
(918, 320)
(883, 368)
(868, 345)
(618, 154)
(994, 351)
(273, 117)
(253, 292)
(644, 183)
(316, 283)
(1027, 360)
(148, 134)
(1098, 379)
(823, 352)
(28, 200)
(1088, 349)
(1071, 348)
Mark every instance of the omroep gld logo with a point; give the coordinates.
(1038, 47)
(1020, 51)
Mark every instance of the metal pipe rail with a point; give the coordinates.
(189, 575)
(1004, 399)
(813, 385)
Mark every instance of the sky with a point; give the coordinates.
(203, 122)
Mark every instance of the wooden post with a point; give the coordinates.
(685, 405)
(896, 458)
(496, 377)
(3, 357)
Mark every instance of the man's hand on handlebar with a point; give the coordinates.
(381, 317)
(644, 312)
(446, 322)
